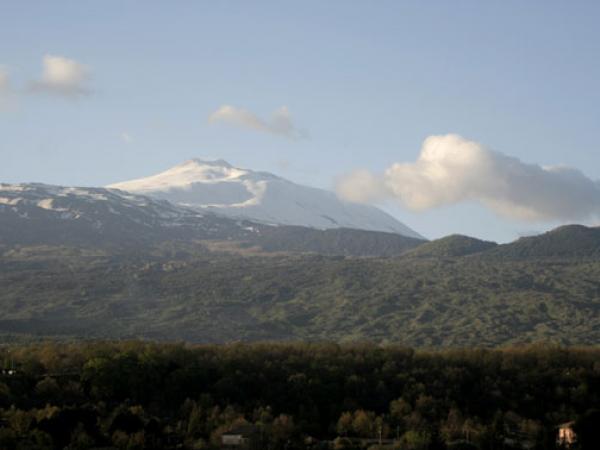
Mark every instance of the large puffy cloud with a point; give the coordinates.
(62, 76)
(452, 169)
(280, 123)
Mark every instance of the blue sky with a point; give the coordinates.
(367, 81)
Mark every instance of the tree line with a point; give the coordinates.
(138, 395)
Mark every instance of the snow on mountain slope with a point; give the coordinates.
(40, 214)
(74, 202)
(35, 213)
(230, 191)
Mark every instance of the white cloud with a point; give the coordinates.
(451, 169)
(280, 123)
(63, 76)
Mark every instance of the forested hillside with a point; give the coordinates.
(137, 395)
(454, 245)
(177, 291)
(575, 241)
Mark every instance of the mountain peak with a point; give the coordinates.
(183, 176)
(259, 196)
(206, 162)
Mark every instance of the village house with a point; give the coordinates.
(238, 436)
(566, 437)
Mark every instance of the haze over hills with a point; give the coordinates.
(219, 187)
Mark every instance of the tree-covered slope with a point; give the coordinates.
(570, 241)
(335, 241)
(454, 245)
(226, 297)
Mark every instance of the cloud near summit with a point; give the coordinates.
(280, 123)
(451, 169)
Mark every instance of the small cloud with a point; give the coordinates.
(452, 169)
(62, 76)
(126, 137)
(280, 123)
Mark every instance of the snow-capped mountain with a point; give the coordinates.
(41, 214)
(229, 191)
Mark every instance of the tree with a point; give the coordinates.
(399, 409)
(363, 423)
(195, 423)
(342, 443)
(80, 440)
(344, 423)
(452, 428)
(415, 440)
(48, 390)
(282, 430)
(4, 394)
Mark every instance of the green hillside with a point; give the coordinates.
(454, 245)
(334, 241)
(172, 293)
(570, 241)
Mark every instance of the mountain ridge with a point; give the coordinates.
(40, 214)
(574, 241)
(453, 245)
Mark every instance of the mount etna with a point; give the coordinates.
(206, 252)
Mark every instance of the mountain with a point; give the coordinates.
(55, 215)
(39, 214)
(219, 187)
(104, 263)
(573, 241)
(454, 245)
